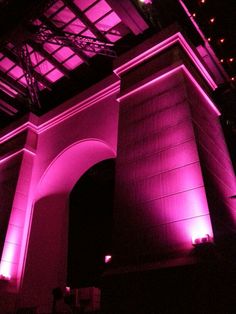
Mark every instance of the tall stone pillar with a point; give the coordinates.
(166, 153)
(16, 164)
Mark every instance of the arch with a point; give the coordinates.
(87, 152)
(47, 248)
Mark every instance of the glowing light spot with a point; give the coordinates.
(231, 59)
(222, 40)
(107, 259)
(212, 20)
(5, 278)
(201, 239)
(5, 270)
(194, 14)
(146, 1)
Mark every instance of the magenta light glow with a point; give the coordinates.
(206, 41)
(21, 128)
(165, 75)
(178, 37)
(79, 106)
(146, 1)
(4, 278)
(201, 239)
(2, 160)
(107, 259)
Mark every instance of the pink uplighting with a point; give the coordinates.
(4, 278)
(201, 239)
(178, 37)
(146, 1)
(107, 259)
(165, 75)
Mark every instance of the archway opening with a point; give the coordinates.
(90, 225)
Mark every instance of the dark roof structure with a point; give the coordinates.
(52, 49)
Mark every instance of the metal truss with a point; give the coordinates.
(84, 43)
(31, 81)
(44, 34)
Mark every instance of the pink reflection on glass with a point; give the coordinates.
(84, 4)
(44, 67)
(35, 58)
(6, 64)
(73, 62)
(98, 10)
(65, 16)
(50, 47)
(54, 75)
(16, 72)
(108, 22)
(75, 27)
(22, 80)
(63, 53)
(59, 4)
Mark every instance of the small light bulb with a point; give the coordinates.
(221, 60)
(203, 1)
(194, 14)
(231, 59)
(146, 1)
(209, 38)
(212, 20)
(222, 40)
(232, 78)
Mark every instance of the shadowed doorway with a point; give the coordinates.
(90, 225)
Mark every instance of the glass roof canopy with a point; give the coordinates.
(88, 18)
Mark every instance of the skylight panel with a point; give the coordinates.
(54, 8)
(64, 16)
(54, 75)
(75, 27)
(16, 72)
(44, 67)
(73, 62)
(98, 10)
(63, 54)
(6, 64)
(84, 4)
(108, 22)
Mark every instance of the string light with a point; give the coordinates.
(211, 25)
